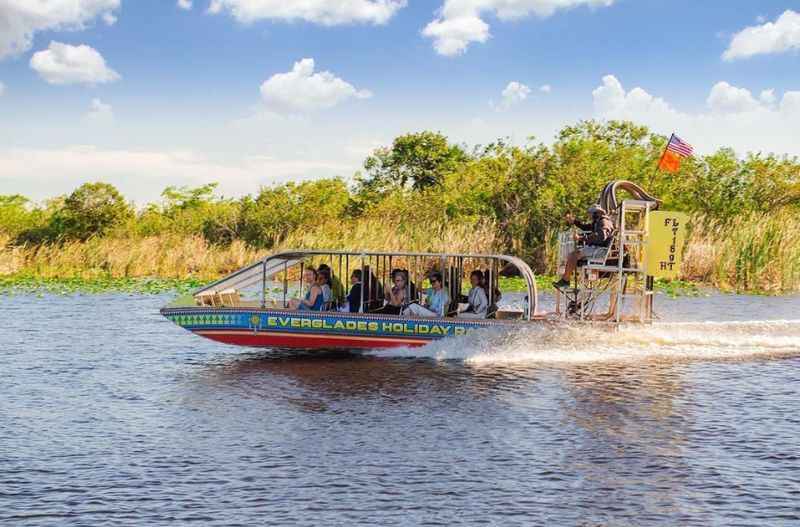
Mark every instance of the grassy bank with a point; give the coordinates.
(155, 264)
(756, 255)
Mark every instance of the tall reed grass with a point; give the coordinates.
(755, 254)
(161, 256)
(182, 257)
(759, 253)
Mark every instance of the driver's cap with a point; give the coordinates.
(596, 209)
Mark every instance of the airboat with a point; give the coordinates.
(250, 307)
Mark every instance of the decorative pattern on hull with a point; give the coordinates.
(311, 330)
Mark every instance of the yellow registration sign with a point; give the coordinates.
(665, 243)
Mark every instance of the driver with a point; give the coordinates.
(596, 241)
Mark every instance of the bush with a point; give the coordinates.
(91, 210)
(279, 210)
(16, 215)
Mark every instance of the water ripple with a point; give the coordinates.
(110, 415)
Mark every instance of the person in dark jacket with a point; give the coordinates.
(596, 241)
(354, 298)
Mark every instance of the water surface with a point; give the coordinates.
(110, 415)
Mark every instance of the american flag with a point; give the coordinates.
(679, 146)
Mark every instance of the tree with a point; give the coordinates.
(278, 210)
(183, 198)
(418, 160)
(196, 210)
(15, 215)
(91, 210)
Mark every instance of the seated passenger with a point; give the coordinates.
(411, 288)
(373, 290)
(336, 285)
(324, 282)
(354, 298)
(396, 296)
(437, 300)
(477, 299)
(489, 284)
(312, 300)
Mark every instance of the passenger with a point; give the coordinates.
(437, 300)
(354, 298)
(411, 288)
(490, 287)
(396, 296)
(336, 285)
(312, 300)
(489, 284)
(373, 290)
(477, 299)
(596, 242)
(324, 282)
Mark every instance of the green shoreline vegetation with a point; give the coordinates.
(421, 193)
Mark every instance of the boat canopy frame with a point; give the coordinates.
(280, 262)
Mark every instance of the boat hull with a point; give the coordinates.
(282, 329)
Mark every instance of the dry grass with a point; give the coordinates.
(162, 256)
(12, 259)
(757, 254)
(193, 257)
(760, 253)
(396, 236)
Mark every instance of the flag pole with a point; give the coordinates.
(660, 159)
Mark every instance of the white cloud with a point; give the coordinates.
(767, 97)
(21, 19)
(790, 105)
(514, 93)
(100, 112)
(611, 100)
(459, 23)
(142, 174)
(725, 98)
(325, 12)
(66, 64)
(302, 90)
(771, 37)
(186, 5)
(451, 36)
(2, 88)
(545, 88)
(734, 117)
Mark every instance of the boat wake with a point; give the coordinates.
(558, 343)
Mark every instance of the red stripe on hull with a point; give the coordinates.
(272, 340)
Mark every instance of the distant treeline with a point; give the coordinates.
(423, 189)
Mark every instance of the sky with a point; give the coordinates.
(149, 93)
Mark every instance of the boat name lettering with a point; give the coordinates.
(404, 328)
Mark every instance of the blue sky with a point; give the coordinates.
(145, 94)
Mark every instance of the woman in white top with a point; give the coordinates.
(477, 299)
(437, 300)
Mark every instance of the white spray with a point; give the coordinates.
(557, 343)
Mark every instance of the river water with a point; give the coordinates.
(110, 415)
